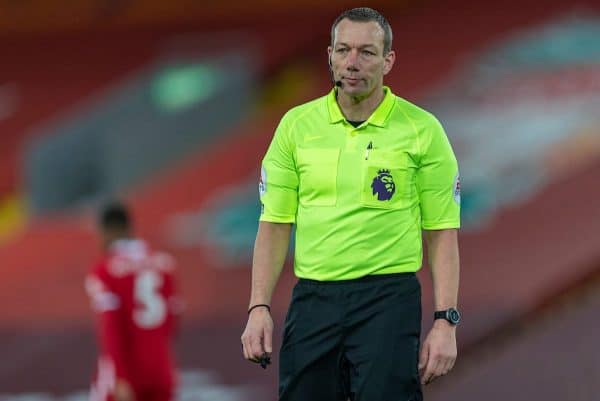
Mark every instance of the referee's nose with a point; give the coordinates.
(352, 61)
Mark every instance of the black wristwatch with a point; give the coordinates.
(452, 315)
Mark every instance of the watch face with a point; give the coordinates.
(453, 316)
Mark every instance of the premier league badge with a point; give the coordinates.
(383, 185)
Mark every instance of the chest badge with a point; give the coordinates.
(383, 185)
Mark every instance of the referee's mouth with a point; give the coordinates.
(352, 81)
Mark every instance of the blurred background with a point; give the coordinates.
(170, 105)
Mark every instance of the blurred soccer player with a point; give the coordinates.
(132, 292)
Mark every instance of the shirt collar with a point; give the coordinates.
(133, 248)
(379, 116)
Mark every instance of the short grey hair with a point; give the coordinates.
(366, 14)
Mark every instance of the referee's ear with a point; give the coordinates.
(388, 61)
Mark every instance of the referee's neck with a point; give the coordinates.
(359, 108)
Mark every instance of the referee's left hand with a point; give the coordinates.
(438, 352)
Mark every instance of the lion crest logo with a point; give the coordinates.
(383, 185)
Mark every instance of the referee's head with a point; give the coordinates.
(365, 14)
(114, 223)
(360, 54)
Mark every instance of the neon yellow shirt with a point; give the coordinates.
(359, 196)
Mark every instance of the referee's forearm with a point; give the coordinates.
(270, 251)
(445, 267)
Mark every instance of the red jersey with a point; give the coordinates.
(132, 291)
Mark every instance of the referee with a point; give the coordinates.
(364, 175)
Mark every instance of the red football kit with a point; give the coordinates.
(133, 294)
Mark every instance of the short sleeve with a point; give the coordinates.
(102, 297)
(438, 180)
(278, 186)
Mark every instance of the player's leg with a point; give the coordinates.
(382, 346)
(310, 356)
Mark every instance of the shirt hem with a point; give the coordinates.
(273, 219)
(441, 225)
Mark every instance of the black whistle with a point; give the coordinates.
(264, 360)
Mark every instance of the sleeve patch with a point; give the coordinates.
(456, 189)
(262, 185)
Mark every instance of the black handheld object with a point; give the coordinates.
(264, 360)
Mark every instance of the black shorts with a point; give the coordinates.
(354, 339)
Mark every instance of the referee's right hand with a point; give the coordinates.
(257, 338)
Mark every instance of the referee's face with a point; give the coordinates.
(358, 59)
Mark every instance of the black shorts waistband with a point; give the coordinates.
(365, 279)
